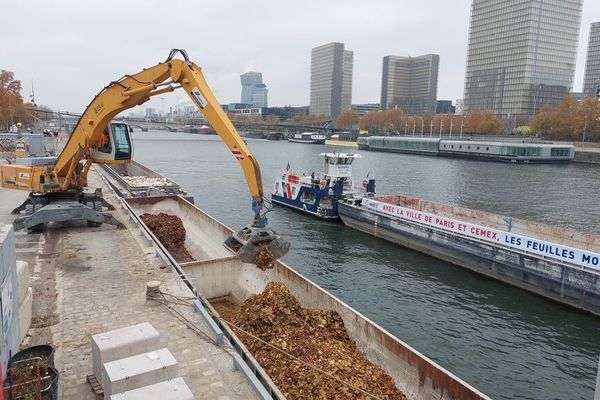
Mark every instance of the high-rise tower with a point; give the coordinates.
(591, 80)
(410, 83)
(521, 54)
(330, 79)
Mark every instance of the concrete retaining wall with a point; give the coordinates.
(587, 157)
(9, 331)
(561, 283)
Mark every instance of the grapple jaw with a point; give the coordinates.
(258, 245)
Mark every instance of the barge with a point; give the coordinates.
(217, 274)
(524, 151)
(562, 265)
(308, 137)
(135, 179)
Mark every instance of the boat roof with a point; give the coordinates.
(341, 155)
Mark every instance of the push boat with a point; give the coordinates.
(308, 137)
(318, 194)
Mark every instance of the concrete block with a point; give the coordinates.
(122, 343)
(25, 311)
(7, 248)
(138, 371)
(23, 277)
(175, 389)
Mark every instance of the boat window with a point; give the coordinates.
(468, 147)
(452, 146)
(308, 198)
(293, 191)
(487, 149)
(559, 152)
(460, 147)
(477, 147)
(444, 146)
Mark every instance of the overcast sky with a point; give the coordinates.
(70, 49)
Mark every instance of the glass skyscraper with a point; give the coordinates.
(254, 91)
(410, 83)
(521, 54)
(591, 80)
(330, 79)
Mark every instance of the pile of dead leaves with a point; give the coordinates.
(264, 259)
(315, 337)
(169, 230)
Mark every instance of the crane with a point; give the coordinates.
(57, 186)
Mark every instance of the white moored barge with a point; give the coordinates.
(559, 264)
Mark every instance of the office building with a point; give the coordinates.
(330, 79)
(362, 109)
(254, 91)
(410, 83)
(444, 107)
(591, 79)
(521, 54)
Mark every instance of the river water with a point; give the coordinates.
(505, 342)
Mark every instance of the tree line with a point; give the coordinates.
(396, 122)
(569, 120)
(13, 109)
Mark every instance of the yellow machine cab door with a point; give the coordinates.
(115, 144)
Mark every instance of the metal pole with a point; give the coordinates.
(414, 125)
(584, 129)
(441, 124)
(431, 128)
(405, 126)
(422, 123)
(462, 123)
(451, 121)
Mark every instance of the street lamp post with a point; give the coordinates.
(462, 123)
(414, 125)
(441, 124)
(431, 128)
(451, 121)
(584, 129)
(405, 127)
(422, 123)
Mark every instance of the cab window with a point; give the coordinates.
(122, 142)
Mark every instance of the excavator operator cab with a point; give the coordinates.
(114, 145)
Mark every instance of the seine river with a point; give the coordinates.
(505, 342)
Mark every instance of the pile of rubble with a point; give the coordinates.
(314, 337)
(169, 230)
(143, 181)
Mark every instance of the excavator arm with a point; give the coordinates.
(133, 90)
(96, 140)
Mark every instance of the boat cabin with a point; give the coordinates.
(339, 165)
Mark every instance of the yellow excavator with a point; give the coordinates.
(57, 186)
